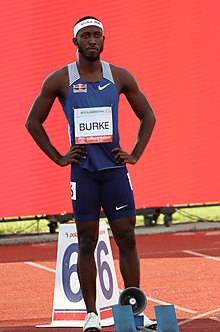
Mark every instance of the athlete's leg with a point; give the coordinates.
(118, 204)
(87, 240)
(124, 235)
(86, 206)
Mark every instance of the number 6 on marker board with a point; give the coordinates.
(104, 270)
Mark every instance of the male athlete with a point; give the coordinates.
(88, 91)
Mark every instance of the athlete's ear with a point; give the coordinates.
(75, 41)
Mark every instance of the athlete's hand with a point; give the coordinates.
(122, 157)
(73, 155)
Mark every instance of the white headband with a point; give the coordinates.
(86, 23)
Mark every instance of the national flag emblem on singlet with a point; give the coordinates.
(80, 87)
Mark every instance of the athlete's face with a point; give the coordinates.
(90, 42)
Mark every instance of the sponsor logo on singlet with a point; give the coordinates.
(102, 87)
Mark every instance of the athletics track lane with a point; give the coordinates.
(176, 268)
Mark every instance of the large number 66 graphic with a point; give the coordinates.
(102, 267)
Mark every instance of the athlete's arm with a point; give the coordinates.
(39, 112)
(143, 111)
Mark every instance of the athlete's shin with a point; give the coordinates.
(130, 268)
(87, 275)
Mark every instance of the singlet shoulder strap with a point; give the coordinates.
(73, 73)
(107, 73)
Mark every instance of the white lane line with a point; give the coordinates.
(176, 306)
(199, 316)
(217, 233)
(215, 319)
(194, 253)
(166, 303)
(39, 266)
(176, 251)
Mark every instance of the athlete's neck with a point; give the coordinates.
(90, 71)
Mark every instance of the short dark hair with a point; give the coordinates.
(86, 18)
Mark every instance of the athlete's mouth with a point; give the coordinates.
(92, 49)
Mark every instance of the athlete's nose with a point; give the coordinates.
(92, 40)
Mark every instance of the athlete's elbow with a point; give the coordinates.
(30, 125)
(153, 118)
(150, 117)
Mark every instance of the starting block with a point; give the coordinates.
(166, 318)
(132, 301)
(123, 318)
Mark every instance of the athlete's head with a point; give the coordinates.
(88, 37)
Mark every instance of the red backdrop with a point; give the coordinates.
(173, 50)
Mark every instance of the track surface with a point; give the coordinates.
(178, 268)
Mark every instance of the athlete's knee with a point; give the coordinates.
(130, 240)
(87, 244)
(127, 240)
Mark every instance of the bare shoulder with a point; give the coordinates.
(120, 73)
(56, 81)
(123, 79)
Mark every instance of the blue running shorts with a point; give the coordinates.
(109, 189)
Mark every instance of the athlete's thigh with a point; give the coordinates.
(85, 194)
(117, 197)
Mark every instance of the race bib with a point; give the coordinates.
(93, 125)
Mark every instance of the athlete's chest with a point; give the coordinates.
(94, 93)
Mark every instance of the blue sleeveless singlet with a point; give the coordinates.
(84, 94)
